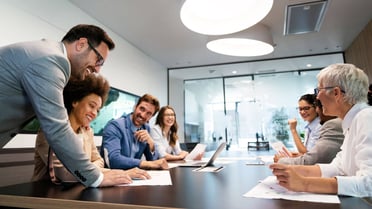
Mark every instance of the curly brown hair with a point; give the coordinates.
(77, 89)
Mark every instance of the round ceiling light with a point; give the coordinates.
(219, 17)
(254, 41)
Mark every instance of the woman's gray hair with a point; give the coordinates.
(349, 78)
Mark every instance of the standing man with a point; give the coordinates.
(342, 90)
(126, 139)
(32, 78)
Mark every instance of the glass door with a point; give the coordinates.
(242, 110)
(258, 108)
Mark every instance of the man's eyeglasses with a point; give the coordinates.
(100, 60)
(306, 108)
(317, 90)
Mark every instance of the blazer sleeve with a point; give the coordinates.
(326, 147)
(43, 82)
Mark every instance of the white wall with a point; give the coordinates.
(126, 68)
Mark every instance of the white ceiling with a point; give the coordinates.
(154, 26)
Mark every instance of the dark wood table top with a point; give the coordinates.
(189, 189)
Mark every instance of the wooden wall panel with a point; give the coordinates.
(359, 52)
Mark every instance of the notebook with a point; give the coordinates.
(210, 161)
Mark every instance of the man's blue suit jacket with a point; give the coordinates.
(118, 139)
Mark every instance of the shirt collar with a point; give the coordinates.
(132, 126)
(313, 124)
(355, 109)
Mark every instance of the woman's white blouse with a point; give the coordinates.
(162, 142)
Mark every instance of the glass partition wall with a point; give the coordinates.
(205, 110)
(239, 108)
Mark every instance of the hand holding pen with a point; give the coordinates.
(143, 135)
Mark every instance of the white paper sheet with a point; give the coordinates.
(270, 189)
(157, 178)
(281, 149)
(198, 149)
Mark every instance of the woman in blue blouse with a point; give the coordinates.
(308, 113)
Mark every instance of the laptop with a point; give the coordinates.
(210, 161)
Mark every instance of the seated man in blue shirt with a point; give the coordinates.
(126, 139)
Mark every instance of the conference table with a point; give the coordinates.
(189, 189)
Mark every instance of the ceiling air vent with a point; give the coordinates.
(304, 18)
